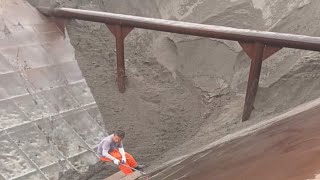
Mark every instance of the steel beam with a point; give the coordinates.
(120, 33)
(219, 32)
(253, 82)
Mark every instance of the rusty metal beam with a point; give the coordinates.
(120, 34)
(219, 32)
(253, 50)
(253, 82)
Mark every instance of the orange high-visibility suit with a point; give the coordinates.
(130, 161)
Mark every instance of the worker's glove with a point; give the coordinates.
(123, 160)
(116, 161)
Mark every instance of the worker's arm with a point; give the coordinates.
(123, 154)
(106, 154)
(121, 150)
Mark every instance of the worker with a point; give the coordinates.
(111, 149)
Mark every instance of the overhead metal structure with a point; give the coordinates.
(259, 45)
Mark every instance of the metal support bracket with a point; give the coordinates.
(257, 53)
(268, 51)
(61, 24)
(120, 33)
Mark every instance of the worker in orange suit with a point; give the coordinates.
(111, 149)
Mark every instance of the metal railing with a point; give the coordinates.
(258, 45)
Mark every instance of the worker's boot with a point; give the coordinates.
(140, 167)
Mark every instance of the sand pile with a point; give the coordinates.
(185, 91)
